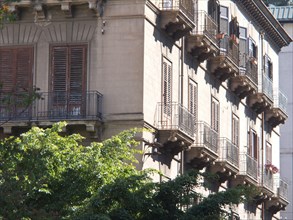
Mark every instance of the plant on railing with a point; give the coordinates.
(220, 36)
(234, 39)
(272, 168)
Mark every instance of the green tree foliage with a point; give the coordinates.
(45, 174)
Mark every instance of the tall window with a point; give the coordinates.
(252, 48)
(192, 98)
(243, 49)
(235, 130)
(224, 20)
(268, 65)
(268, 153)
(253, 144)
(214, 10)
(16, 70)
(215, 114)
(167, 86)
(68, 73)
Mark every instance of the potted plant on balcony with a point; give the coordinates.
(253, 60)
(272, 168)
(234, 39)
(220, 36)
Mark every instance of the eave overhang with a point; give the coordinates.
(263, 17)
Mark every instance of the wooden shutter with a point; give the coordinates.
(192, 98)
(7, 70)
(268, 153)
(214, 10)
(68, 70)
(215, 115)
(235, 130)
(167, 82)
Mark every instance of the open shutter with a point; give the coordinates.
(167, 74)
(193, 98)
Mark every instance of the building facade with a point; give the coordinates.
(202, 75)
(284, 14)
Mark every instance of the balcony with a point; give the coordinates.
(177, 16)
(204, 150)
(226, 63)
(51, 107)
(263, 99)
(176, 127)
(246, 82)
(280, 200)
(277, 115)
(248, 171)
(227, 164)
(202, 43)
(267, 182)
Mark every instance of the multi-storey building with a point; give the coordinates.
(284, 14)
(203, 75)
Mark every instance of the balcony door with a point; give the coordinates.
(68, 78)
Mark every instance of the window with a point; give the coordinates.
(253, 144)
(167, 86)
(215, 114)
(68, 74)
(268, 153)
(252, 49)
(224, 20)
(192, 98)
(16, 71)
(214, 10)
(243, 49)
(268, 67)
(235, 130)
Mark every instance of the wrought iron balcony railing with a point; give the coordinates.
(186, 6)
(248, 166)
(267, 87)
(280, 101)
(248, 67)
(173, 116)
(282, 189)
(230, 48)
(206, 25)
(268, 180)
(228, 152)
(54, 106)
(206, 137)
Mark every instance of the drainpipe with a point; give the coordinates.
(181, 76)
(262, 125)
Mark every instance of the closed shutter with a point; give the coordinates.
(235, 130)
(167, 80)
(16, 68)
(192, 98)
(214, 10)
(68, 79)
(215, 115)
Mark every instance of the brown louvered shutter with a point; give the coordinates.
(68, 79)
(215, 115)
(167, 80)
(193, 98)
(24, 61)
(7, 70)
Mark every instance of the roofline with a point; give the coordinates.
(264, 18)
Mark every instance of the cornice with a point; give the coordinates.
(263, 17)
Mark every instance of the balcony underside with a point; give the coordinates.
(222, 67)
(201, 47)
(225, 170)
(173, 141)
(200, 156)
(259, 102)
(176, 23)
(242, 86)
(275, 117)
(241, 179)
(276, 204)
